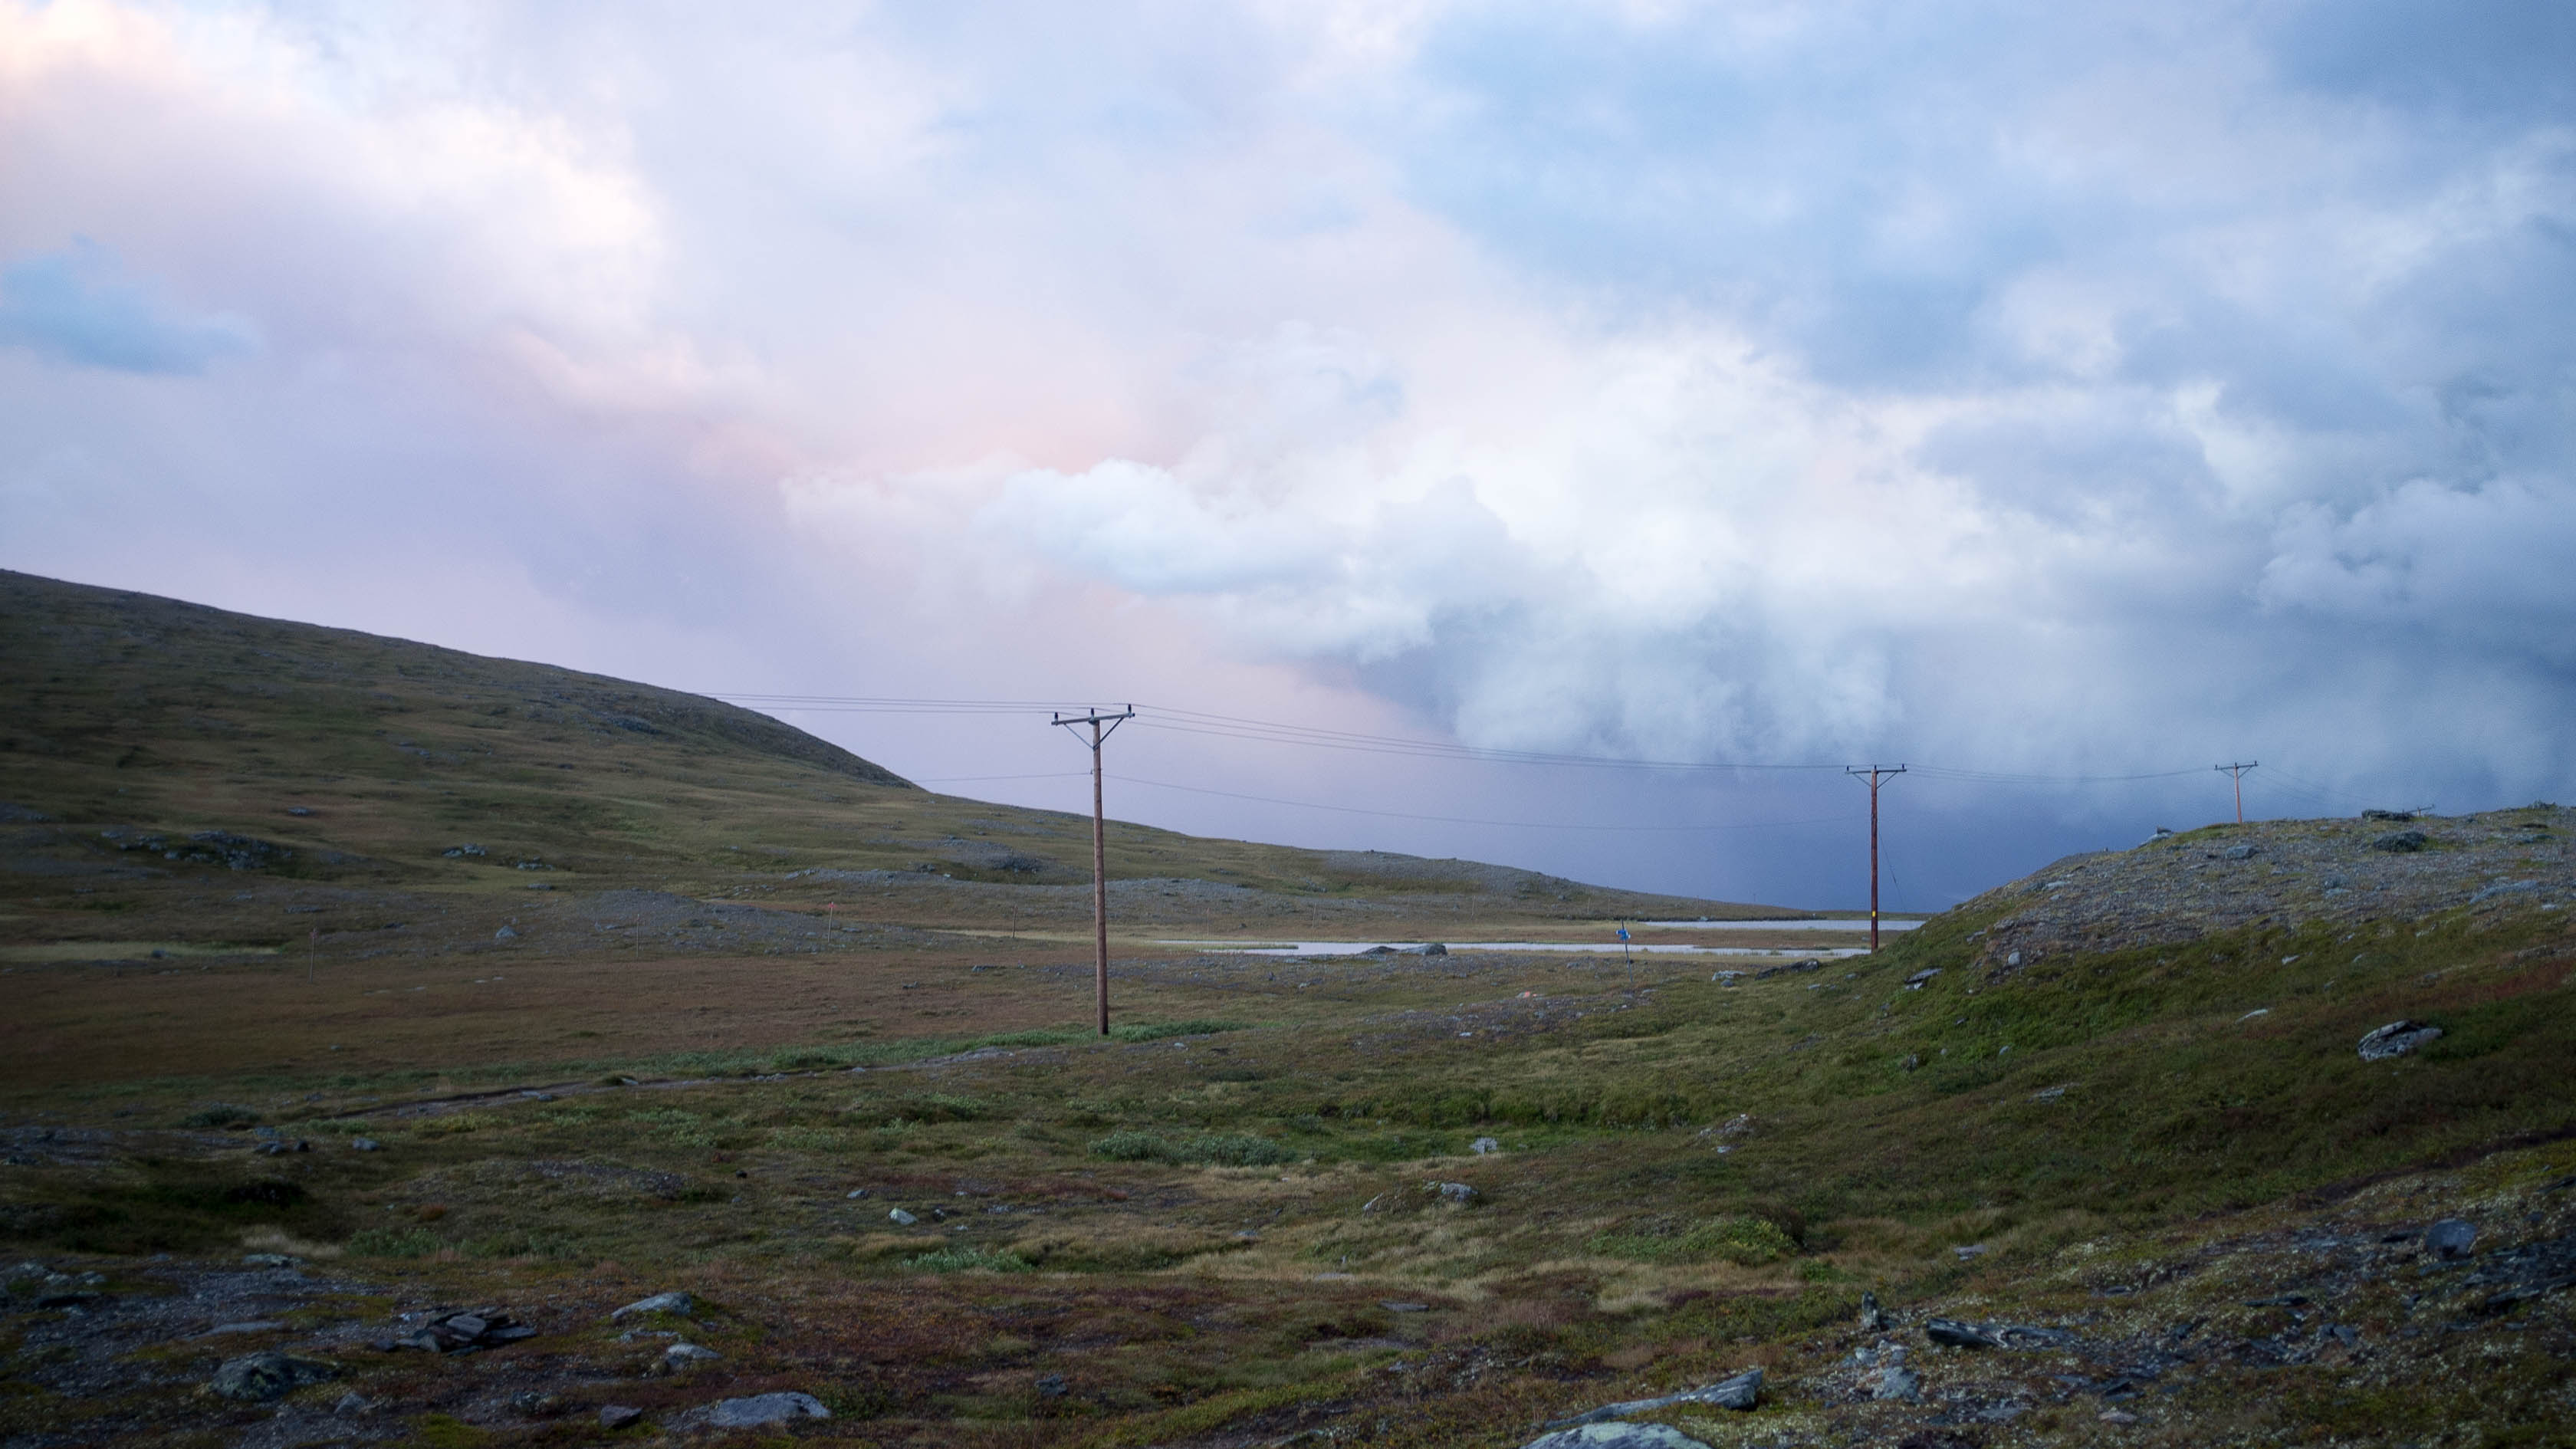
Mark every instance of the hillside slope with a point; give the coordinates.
(144, 740)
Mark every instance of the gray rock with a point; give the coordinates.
(1739, 1392)
(683, 1353)
(1484, 1146)
(505, 934)
(760, 1409)
(1898, 1382)
(1052, 1386)
(1915, 981)
(900, 1218)
(365, 1144)
(1959, 1334)
(256, 1378)
(1967, 1251)
(466, 1332)
(263, 1325)
(1434, 948)
(353, 1404)
(1456, 1194)
(2450, 1238)
(2506, 888)
(678, 1303)
(618, 1416)
(2401, 842)
(2397, 1039)
(1616, 1436)
(2239, 852)
(1873, 1319)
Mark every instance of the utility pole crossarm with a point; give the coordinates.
(1876, 775)
(1102, 725)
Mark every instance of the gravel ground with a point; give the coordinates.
(2284, 873)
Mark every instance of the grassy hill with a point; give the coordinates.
(356, 758)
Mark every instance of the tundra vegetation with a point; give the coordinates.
(281, 1074)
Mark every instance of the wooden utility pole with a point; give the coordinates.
(1876, 775)
(2237, 773)
(1099, 854)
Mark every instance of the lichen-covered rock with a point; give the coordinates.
(761, 1409)
(2397, 1039)
(256, 1378)
(1616, 1436)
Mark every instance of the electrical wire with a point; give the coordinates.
(1199, 722)
(1463, 820)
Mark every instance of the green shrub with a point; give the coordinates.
(1158, 1030)
(1219, 1150)
(1132, 1147)
(968, 1260)
(391, 1243)
(220, 1114)
(1735, 1238)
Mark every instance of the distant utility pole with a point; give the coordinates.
(1099, 852)
(2237, 773)
(1876, 775)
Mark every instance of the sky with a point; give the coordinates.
(2057, 399)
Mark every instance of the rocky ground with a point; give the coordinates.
(2286, 873)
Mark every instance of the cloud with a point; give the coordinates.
(2050, 390)
(77, 306)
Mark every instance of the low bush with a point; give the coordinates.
(220, 1114)
(968, 1260)
(1215, 1150)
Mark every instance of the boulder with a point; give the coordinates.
(256, 1378)
(1897, 1382)
(2397, 816)
(683, 1353)
(465, 1332)
(1959, 1334)
(900, 1218)
(1456, 1194)
(2450, 1238)
(761, 1409)
(2397, 1039)
(1740, 1392)
(618, 1416)
(679, 1303)
(1484, 1146)
(1434, 948)
(2401, 842)
(1873, 1319)
(1617, 1436)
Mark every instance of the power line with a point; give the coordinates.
(1464, 820)
(1198, 722)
